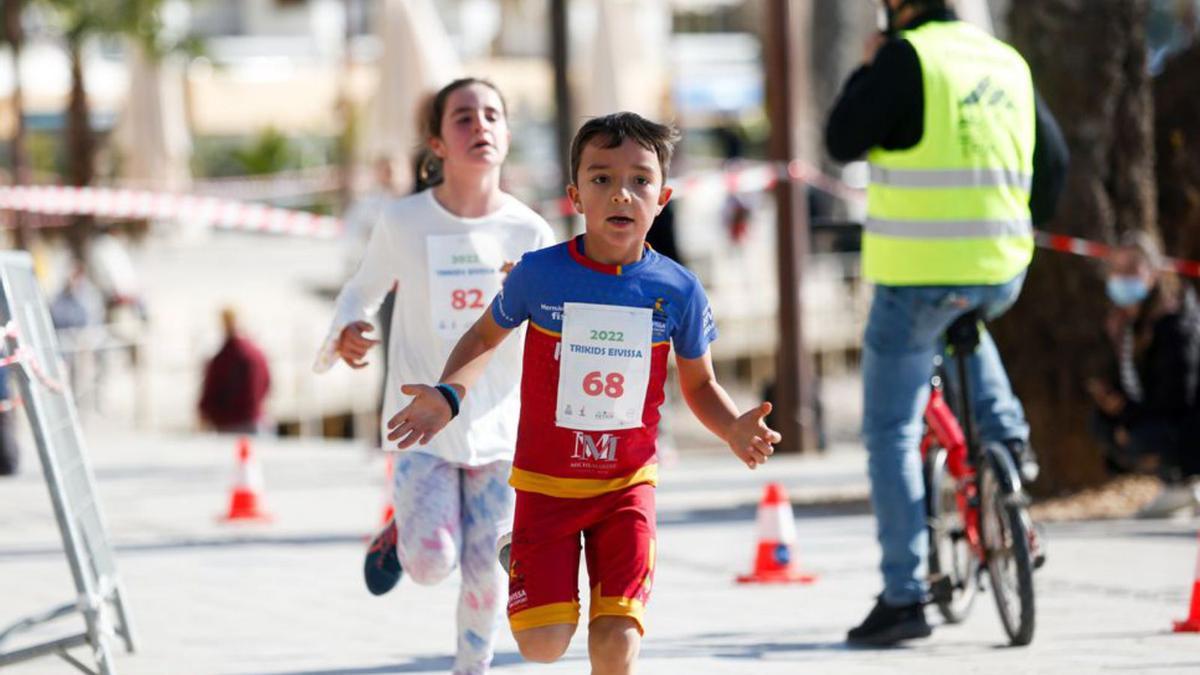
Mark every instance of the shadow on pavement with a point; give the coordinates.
(331, 539)
(740, 646)
(422, 664)
(747, 512)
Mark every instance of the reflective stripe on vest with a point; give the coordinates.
(954, 209)
(950, 229)
(951, 178)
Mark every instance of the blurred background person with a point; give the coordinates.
(236, 383)
(77, 312)
(1147, 415)
(116, 276)
(78, 304)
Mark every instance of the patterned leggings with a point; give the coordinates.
(449, 515)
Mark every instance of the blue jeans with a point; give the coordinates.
(904, 330)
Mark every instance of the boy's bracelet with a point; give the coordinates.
(451, 396)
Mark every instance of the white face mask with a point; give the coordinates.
(1126, 291)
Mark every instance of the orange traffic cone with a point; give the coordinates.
(1192, 623)
(775, 561)
(245, 502)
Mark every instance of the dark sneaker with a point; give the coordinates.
(381, 569)
(1025, 459)
(886, 625)
(504, 550)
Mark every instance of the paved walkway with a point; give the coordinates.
(286, 597)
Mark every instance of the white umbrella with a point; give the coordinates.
(152, 134)
(418, 58)
(624, 69)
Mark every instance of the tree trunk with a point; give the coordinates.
(1177, 144)
(14, 35)
(1089, 62)
(80, 147)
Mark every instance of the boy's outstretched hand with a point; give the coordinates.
(750, 438)
(420, 420)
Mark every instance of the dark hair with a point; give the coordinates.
(429, 166)
(610, 131)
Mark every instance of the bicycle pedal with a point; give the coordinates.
(941, 589)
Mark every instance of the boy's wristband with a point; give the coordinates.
(451, 396)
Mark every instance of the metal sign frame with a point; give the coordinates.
(48, 401)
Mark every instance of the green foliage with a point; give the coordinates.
(43, 153)
(270, 152)
(139, 20)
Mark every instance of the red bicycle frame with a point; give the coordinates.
(942, 429)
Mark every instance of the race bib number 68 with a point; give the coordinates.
(604, 368)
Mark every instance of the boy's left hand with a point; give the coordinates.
(421, 419)
(751, 439)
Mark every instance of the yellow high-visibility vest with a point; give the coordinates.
(954, 209)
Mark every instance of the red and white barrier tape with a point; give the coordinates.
(804, 172)
(20, 355)
(260, 187)
(1092, 249)
(235, 215)
(218, 213)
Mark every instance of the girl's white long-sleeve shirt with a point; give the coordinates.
(446, 270)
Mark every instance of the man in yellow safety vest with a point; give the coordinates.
(965, 160)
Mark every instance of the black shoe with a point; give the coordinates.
(381, 569)
(887, 625)
(1025, 459)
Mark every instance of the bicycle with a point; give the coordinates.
(975, 504)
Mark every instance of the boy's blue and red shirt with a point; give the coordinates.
(535, 291)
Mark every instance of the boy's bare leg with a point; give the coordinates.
(613, 645)
(544, 644)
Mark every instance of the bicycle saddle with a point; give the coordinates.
(963, 334)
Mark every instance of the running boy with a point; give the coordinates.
(604, 310)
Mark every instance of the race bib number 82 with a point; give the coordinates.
(464, 276)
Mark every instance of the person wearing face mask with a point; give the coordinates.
(1147, 414)
(965, 161)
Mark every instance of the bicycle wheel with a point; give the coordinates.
(953, 568)
(1006, 532)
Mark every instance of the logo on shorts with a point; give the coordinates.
(602, 449)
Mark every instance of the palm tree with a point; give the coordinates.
(81, 22)
(1099, 90)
